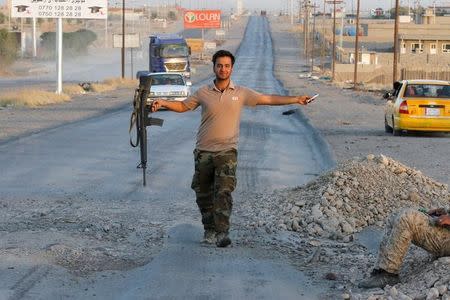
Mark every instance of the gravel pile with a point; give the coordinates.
(356, 194)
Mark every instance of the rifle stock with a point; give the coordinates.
(141, 118)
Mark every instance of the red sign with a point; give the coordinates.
(202, 19)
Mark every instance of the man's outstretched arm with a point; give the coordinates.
(282, 100)
(443, 221)
(175, 106)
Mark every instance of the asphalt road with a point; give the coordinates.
(92, 159)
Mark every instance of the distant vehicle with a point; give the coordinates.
(418, 105)
(169, 53)
(168, 86)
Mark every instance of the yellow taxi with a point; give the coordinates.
(418, 105)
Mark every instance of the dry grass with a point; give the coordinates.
(73, 89)
(122, 82)
(35, 97)
(32, 98)
(102, 87)
(4, 72)
(110, 84)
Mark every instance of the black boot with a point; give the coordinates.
(223, 240)
(379, 278)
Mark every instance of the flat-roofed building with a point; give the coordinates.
(429, 44)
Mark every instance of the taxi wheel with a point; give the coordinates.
(387, 128)
(395, 132)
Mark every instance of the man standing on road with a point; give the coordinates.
(215, 154)
(428, 230)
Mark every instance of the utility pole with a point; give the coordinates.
(123, 39)
(106, 32)
(306, 29)
(342, 26)
(292, 11)
(301, 18)
(355, 75)
(299, 10)
(34, 38)
(334, 41)
(313, 37)
(9, 15)
(394, 71)
(322, 52)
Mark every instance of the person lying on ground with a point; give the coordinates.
(429, 230)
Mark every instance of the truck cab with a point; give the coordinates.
(169, 53)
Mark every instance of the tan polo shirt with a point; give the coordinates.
(221, 114)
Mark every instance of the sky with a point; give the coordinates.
(275, 5)
(284, 4)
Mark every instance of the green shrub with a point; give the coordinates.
(74, 43)
(172, 16)
(2, 18)
(8, 48)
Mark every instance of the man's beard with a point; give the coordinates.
(218, 77)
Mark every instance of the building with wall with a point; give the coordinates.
(365, 57)
(433, 45)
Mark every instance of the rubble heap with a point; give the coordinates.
(354, 195)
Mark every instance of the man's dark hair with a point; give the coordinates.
(223, 53)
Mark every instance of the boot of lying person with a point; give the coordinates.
(379, 278)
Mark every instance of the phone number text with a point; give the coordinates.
(67, 11)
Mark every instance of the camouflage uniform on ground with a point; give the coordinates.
(213, 181)
(410, 226)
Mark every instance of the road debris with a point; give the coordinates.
(354, 195)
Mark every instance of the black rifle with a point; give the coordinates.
(141, 118)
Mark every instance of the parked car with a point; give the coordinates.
(418, 105)
(168, 86)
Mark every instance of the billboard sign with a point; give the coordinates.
(67, 9)
(202, 19)
(220, 32)
(131, 40)
(196, 45)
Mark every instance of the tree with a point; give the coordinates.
(74, 43)
(2, 18)
(402, 10)
(8, 48)
(172, 16)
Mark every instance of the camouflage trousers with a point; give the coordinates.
(406, 227)
(213, 181)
